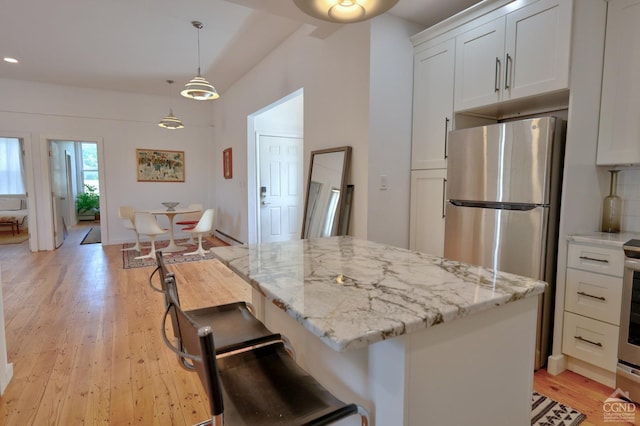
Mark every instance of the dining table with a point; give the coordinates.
(171, 213)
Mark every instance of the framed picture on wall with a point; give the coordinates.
(155, 165)
(227, 163)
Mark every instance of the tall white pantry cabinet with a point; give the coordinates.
(465, 68)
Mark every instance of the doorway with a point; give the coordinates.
(74, 169)
(275, 176)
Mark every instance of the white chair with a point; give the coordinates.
(191, 219)
(146, 224)
(127, 217)
(204, 226)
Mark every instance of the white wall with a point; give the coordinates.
(334, 73)
(629, 190)
(390, 109)
(357, 92)
(121, 123)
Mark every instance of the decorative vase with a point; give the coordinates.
(612, 206)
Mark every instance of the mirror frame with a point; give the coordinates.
(346, 165)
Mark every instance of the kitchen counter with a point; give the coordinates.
(409, 336)
(605, 238)
(351, 293)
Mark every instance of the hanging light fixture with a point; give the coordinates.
(171, 122)
(344, 11)
(199, 88)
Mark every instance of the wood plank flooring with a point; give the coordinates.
(83, 335)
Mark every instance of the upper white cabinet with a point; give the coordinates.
(432, 105)
(523, 53)
(619, 133)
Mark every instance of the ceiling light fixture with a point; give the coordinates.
(344, 11)
(171, 122)
(11, 60)
(199, 88)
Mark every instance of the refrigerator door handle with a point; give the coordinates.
(497, 205)
(444, 196)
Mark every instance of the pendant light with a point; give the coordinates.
(171, 122)
(199, 88)
(344, 11)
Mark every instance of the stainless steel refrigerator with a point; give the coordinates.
(503, 190)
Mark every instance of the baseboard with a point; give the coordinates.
(556, 364)
(591, 371)
(6, 373)
(227, 238)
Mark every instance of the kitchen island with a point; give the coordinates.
(416, 339)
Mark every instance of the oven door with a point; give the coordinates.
(628, 369)
(629, 342)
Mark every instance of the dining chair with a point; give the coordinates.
(204, 226)
(146, 224)
(191, 219)
(127, 218)
(236, 326)
(260, 386)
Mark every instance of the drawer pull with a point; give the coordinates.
(582, 293)
(593, 259)
(598, 344)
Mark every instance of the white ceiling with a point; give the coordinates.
(136, 45)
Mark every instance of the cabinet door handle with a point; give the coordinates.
(582, 339)
(582, 293)
(496, 88)
(444, 196)
(593, 259)
(446, 135)
(509, 60)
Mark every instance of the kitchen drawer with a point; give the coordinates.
(592, 341)
(603, 260)
(594, 295)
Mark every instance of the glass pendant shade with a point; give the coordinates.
(171, 122)
(344, 11)
(200, 89)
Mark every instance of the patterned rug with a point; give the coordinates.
(7, 238)
(547, 412)
(129, 257)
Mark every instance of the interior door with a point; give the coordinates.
(280, 183)
(59, 191)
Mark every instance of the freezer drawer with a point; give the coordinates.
(507, 240)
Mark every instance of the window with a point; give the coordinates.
(11, 167)
(88, 170)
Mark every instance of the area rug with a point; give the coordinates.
(92, 237)
(129, 257)
(7, 238)
(547, 412)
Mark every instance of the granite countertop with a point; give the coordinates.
(605, 238)
(352, 293)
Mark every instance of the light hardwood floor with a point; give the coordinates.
(83, 335)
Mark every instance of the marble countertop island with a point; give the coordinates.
(352, 293)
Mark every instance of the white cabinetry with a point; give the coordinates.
(432, 105)
(525, 52)
(428, 193)
(592, 310)
(619, 132)
(432, 120)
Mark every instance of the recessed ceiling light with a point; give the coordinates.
(11, 60)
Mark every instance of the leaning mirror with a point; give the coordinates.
(326, 192)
